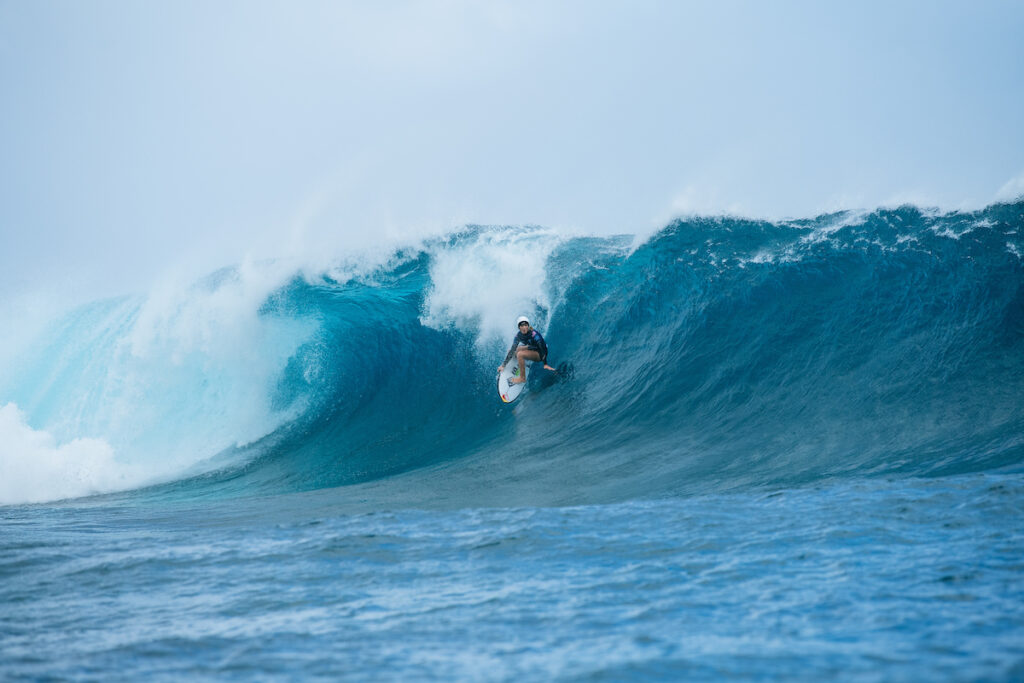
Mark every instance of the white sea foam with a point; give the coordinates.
(209, 348)
(485, 283)
(37, 468)
(840, 221)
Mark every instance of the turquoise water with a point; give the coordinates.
(778, 450)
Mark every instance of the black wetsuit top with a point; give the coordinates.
(531, 340)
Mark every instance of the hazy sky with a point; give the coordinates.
(134, 135)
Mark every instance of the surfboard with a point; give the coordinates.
(510, 392)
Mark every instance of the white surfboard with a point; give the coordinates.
(510, 392)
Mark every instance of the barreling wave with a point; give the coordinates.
(721, 353)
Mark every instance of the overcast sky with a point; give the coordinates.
(136, 135)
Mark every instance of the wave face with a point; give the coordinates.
(721, 353)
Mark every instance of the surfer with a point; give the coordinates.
(533, 349)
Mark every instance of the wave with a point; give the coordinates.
(720, 353)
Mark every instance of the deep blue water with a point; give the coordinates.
(776, 450)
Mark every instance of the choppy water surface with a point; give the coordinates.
(884, 579)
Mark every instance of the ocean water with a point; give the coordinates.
(774, 450)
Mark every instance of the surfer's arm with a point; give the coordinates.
(508, 356)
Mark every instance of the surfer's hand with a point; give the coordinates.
(500, 368)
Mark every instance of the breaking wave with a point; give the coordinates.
(720, 353)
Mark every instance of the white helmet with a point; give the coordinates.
(522, 319)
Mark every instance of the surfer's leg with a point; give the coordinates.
(524, 355)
